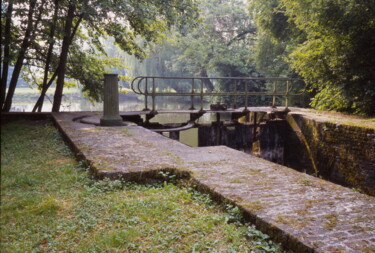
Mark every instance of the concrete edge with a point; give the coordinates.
(152, 176)
(276, 233)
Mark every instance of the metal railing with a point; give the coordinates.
(147, 86)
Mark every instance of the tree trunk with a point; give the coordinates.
(39, 103)
(63, 59)
(4, 76)
(21, 57)
(207, 82)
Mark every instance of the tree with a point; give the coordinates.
(219, 46)
(134, 25)
(337, 56)
(64, 56)
(274, 34)
(31, 24)
(330, 44)
(6, 59)
(51, 42)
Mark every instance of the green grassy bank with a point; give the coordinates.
(49, 203)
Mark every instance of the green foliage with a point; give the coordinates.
(330, 44)
(337, 55)
(262, 241)
(274, 35)
(49, 203)
(89, 69)
(134, 26)
(221, 41)
(219, 46)
(234, 214)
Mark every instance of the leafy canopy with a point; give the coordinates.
(134, 26)
(220, 45)
(329, 43)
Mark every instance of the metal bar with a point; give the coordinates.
(235, 95)
(192, 94)
(201, 95)
(273, 96)
(286, 95)
(153, 94)
(146, 92)
(246, 102)
(238, 94)
(223, 94)
(238, 81)
(139, 82)
(226, 78)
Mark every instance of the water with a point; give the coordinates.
(127, 103)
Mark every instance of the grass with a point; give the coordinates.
(332, 221)
(254, 205)
(306, 182)
(49, 203)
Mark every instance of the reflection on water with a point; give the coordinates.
(76, 103)
(189, 137)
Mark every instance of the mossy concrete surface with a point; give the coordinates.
(304, 213)
(340, 147)
(334, 117)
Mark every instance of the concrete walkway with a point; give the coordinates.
(304, 213)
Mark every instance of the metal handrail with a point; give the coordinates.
(135, 86)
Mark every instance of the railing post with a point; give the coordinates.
(146, 94)
(153, 94)
(201, 95)
(111, 115)
(246, 98)
(235, 95)
(286, 96)
(273, 96)
(192, 94)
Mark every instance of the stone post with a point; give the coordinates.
(111, 116)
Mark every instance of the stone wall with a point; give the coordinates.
(341, 153)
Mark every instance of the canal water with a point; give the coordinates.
(130, 103)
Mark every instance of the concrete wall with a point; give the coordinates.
(341, 153)
(344, 154)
